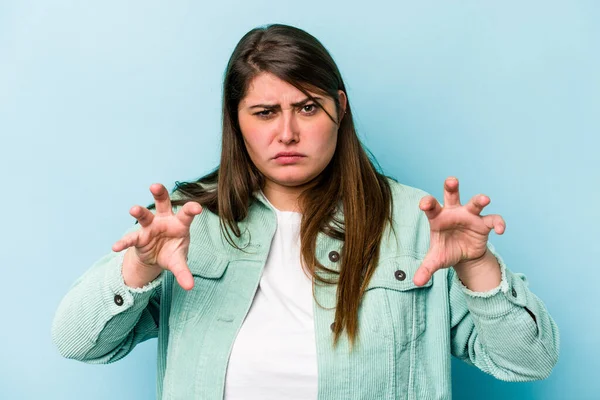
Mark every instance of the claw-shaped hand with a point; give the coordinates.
(459, 234)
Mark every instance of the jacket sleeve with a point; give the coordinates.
(506, 332)
(100, 320)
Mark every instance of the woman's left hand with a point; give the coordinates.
(458, 234)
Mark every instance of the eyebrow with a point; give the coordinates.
(277, 106)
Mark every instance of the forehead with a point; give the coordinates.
(266, 87)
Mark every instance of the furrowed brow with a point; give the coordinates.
(277, 106)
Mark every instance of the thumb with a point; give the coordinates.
(183, 274)
(425, 270)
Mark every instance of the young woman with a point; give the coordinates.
(296, 270)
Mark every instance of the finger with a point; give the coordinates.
(431, 206)
(495, 222)
(182, 274)
(131, 239)
(451, 194)
(425, 271)
(161, 198)
(142, 214)
(188, 212)
(477, 203)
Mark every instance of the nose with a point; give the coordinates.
(289, 130)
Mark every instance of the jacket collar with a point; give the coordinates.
(260, 196)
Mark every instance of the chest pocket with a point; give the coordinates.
(207, 270)
(401, 303)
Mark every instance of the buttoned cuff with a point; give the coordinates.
(510, 293)
(121, 297)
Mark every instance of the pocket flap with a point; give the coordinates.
(397, 273)
(206, 264)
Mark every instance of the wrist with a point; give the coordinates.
(475, 262)
(135, 273)
(481, 274)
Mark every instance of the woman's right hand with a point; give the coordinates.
(161, 243)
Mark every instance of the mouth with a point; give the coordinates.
(288, 157)
(289, 154)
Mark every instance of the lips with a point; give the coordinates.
(288, 158)
(289, 154)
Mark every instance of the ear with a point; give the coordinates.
(343, 104)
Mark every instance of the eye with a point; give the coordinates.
(264, 113)
(312, 108)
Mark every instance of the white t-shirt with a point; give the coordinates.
(274, 354)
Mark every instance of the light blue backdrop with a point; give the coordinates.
(98, 100)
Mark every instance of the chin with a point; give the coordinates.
(291, 180)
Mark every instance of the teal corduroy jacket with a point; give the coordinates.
(407, 334)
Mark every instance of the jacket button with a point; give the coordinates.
(334, 256)
(118, 300)
(332, 326)
(400, 275)
(514, 292)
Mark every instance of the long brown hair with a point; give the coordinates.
(350, 179)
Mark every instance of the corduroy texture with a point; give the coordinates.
(407, 334)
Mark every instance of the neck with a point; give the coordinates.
(283, 198)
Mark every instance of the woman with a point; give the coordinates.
(296, 270)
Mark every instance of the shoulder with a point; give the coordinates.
(405, 197)
(206, 222)
(409, 222)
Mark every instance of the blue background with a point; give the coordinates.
(98, 100)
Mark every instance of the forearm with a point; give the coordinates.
(99, 313)
(505, 331)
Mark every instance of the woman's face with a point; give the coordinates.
(288, 138)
